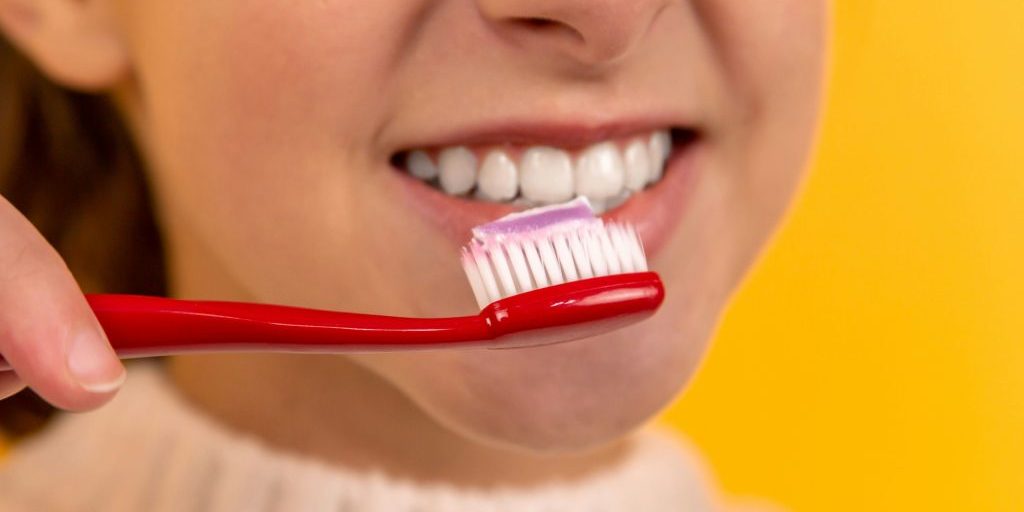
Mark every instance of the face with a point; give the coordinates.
(281, 135)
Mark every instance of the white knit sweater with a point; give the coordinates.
(148, 450)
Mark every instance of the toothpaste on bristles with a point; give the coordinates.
(547, 246)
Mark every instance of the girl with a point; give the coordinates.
(333, 154)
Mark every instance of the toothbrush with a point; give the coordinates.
(542, 276)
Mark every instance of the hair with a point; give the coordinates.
(68, 163)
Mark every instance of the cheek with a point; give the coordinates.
(260, 121)
(771, 55)
(255, 90)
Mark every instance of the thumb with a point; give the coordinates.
(48, 333)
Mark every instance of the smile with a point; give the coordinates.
(606, 172)
(641, 176)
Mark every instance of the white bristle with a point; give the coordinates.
(487, 276)
(579, 256)
(519, 266)
(550, 260)
(475, 281)
(497, 255)
(516, 263)
(610, 256)
(595, 255)
(565, 258)
(536, 267)
(636, 250)
(621, 248)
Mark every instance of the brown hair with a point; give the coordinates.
(67, 162)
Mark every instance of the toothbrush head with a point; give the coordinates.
(548, 246)
(557, 267)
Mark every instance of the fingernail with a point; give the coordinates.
(93, 364)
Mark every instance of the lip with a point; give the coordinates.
(654, 211)
(564, 135)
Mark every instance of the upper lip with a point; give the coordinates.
(554, 133)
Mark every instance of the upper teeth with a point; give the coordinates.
(606, 173)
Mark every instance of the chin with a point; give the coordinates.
(557, 399)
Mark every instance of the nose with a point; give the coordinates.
(588, 31)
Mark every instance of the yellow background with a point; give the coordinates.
(875, 359)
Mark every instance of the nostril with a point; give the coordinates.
(545, 27)
(537, 23)
(588, 32)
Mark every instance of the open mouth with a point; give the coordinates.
(642, 177)
(607, 172)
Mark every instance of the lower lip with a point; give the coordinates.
(654, 212)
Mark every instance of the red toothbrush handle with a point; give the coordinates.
(140, 326)
(574, 310)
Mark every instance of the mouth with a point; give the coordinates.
(638, 175)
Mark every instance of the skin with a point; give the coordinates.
(287, 115)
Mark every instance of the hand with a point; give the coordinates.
(48, 334)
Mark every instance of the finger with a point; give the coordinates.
(10, 384)
(48, 334)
